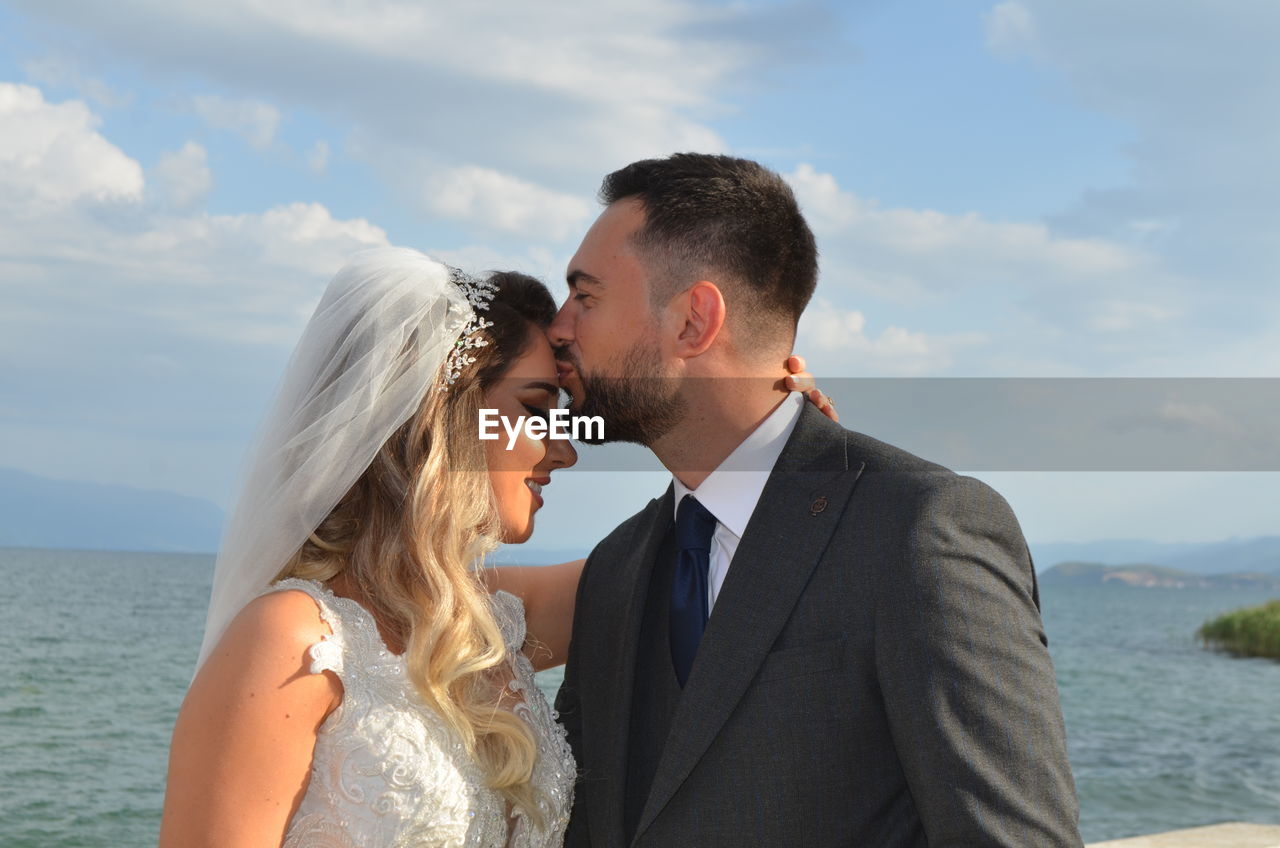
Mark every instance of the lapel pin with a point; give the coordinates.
(818, 505)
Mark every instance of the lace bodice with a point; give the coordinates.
(387, 771)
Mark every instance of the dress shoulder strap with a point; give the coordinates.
(328, 654)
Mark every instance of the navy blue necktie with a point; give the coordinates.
(694, 528)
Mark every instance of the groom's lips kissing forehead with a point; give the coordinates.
(569, 375)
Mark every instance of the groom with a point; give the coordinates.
(811, 638)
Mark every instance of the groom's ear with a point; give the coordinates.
(701, 313)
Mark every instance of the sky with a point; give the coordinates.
(999, 189)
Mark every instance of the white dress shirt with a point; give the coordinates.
(732, 491)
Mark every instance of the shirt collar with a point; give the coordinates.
(732, 491)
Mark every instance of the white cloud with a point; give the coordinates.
(498, 201)
(248, 276)
(1255, 354)
(52, 155)
(182, 177)
(304, 236)
(539, 262)
(1195, 83)
(1116, 316)
(318, 157)
(551, 97)
(555, 97)
(583, 50)
(911, 255)
(63, 72)
(1045, 303)
(1197, 416)
(1010, 29)
(841, 335)
(141, 338)
(253, 120)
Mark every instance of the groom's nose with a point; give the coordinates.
(560, 333)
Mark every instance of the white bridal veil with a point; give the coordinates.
(373, 348)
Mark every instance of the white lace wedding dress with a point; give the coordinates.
(388, 772)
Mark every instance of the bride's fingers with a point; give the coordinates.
(802, 382)
(799, 380)
(824, 403)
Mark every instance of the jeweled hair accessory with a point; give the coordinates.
(479, 293)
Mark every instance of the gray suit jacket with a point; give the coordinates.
(874, 672)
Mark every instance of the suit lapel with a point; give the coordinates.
(632, 583)
(805, 495)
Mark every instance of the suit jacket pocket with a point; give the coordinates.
(798, 660)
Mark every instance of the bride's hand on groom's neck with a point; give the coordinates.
(800, 380)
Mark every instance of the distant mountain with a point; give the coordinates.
(1260, 553)
(1146, 575)
(1109, 551)
(37, 512)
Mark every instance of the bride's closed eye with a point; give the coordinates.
(538, 412)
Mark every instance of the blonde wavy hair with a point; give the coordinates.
(408, 535)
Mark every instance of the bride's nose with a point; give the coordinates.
(560, 453)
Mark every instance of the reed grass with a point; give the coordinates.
(1250, 632)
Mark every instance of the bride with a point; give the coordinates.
(358, 684)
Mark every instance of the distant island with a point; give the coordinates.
(1250, 555)
(39, 512)
(1148, 576)
(1249, 632)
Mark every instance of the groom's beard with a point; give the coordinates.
(636, 406)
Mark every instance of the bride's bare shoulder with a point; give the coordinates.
(246, 732)
(270, 640)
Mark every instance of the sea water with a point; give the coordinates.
(97, 649)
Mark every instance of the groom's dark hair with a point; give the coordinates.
(706, 214)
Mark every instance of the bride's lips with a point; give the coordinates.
(535, 485)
